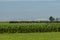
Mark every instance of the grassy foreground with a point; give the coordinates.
(31, 36)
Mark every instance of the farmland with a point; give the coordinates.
(29, 27)
(29, 31)
(31, 36)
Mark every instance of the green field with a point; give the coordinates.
(29, 27)
(30, 31)
(31, 36)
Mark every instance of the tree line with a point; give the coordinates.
(51, 19)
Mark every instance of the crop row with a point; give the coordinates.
(29, 27)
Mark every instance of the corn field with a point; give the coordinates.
(29, 27)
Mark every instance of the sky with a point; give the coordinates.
(29, 0)
(29, 9)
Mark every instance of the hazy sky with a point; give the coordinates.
(29, 0)
(18, 0)
(29, 10)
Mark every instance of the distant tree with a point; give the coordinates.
(51, 18)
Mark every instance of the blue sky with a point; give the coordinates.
(29, 0)
(29, 9)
